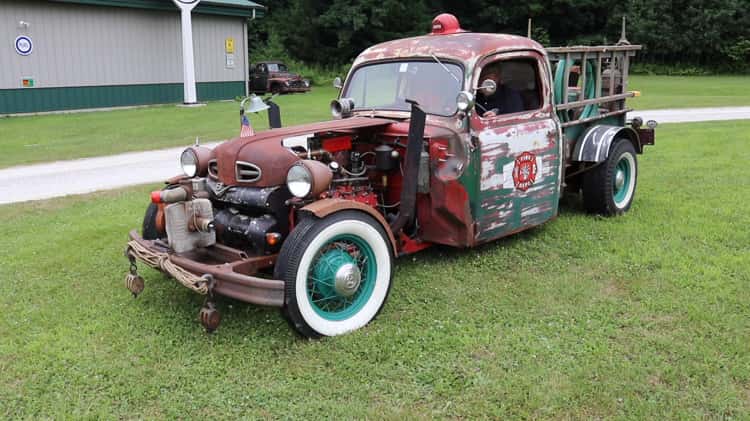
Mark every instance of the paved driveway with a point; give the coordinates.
(688, 115)
(44, 181)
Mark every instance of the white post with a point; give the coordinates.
(188, 59)
(245, 58)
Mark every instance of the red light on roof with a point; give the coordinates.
(444, 24)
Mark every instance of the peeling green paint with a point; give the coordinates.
(505, 204)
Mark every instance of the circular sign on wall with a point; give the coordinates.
(24, 46)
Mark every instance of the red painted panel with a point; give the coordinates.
(337, 144)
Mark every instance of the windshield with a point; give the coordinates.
(276, 67)
(386, 86)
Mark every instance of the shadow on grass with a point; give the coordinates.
(241, 320)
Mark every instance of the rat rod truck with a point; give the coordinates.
(275, 77)
(452, 138)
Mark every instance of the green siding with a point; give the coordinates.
(217, 90)
(32, 100)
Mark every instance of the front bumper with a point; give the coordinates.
(212, 270)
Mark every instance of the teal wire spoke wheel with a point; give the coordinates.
(337, 273)
(621, 180)
(609, 188)
(341, 278)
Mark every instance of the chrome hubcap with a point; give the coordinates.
(347, 280)
(619, 180)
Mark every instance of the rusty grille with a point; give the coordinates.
(213, 169)
(247, 172)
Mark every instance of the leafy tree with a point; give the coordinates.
(709, 33)
(333, 32)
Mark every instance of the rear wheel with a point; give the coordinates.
(337, 271)
(609, 188)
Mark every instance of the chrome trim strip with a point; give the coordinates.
(250, 167)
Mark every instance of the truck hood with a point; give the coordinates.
(265, 150)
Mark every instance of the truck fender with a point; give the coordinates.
(325, 207)
(594, 145)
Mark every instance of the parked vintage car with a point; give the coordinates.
(275, 77)
(452, 138)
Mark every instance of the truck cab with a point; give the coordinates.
(452, 138)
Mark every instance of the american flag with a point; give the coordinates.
(245, 128)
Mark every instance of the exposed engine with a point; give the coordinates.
(255, 192)
(364, 167)
(251, 218)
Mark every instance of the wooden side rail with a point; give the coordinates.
(615, 58)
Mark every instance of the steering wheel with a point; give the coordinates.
(495, 111)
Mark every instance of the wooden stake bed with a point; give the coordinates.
(612, 58)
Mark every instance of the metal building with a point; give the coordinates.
(76, 54)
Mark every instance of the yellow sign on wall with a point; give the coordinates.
(229, 45)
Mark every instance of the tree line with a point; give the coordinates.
(706, 34)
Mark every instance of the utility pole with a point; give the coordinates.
(528, 30)
(623, 40)
(188, 57)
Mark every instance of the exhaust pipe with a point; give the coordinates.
(411, 172)
(274, 115)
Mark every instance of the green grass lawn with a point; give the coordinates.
(45, 138)
(644, 316)
(56, 137)
(689, 91)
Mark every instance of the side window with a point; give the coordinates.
(517, 83)
(261, 68)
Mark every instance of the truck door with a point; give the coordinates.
(520, 148)
(260, 78)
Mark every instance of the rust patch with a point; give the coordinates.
(445, 214)
(265, 148)
(464, 46)
(325, 207)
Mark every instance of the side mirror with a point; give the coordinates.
(337, 83)
(465, 101)
(488, 87)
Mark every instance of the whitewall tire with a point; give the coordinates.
(609, 188)
(337, 272)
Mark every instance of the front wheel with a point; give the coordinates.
(337, 273)
(609, 188)
(151, 223)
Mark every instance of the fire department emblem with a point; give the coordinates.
(524, 171)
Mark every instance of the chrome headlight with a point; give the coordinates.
(465, 101)
(189, 162)
(308, 178)
(299, 181)
(307, 83)
(194, 161)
